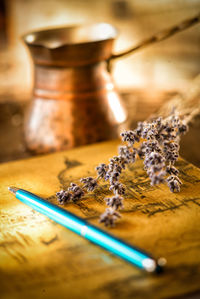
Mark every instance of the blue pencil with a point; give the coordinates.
(78, 225)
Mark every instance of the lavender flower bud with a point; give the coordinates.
(174, 183)
(130, 137)
(63, 196)
(117, 163)
(141, 150)
(109, 217)
(123, 162)
(170, 150)
(154, 158)
(139, 128)
(116, 160)
(154, 168)
(112, 164)
(115, 202)
(77, 191)
(118, 188)
(168, 132)
(157, 178)
(183, 128)
(123, 150)
(101, 170)
(127, 153)
(158, 122)
(172, 170)
(145, 130)
(150, 131)
(175, 121)
(114, 177)
(89, 183)
(151, 146)
(117, 168)
(107, 176)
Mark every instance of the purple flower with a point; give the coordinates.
(174, 183)
(122, 162)
(115, 202)
(139, 129)
(128, 154)
(118, 188)
(115, 168)
(149, 131)
(154, 158)
(114, 177)
(160, 150)
(170, 151)
(109, 217)
(157, 178)
(89, 183)
(141, 150)
(130, 136)
(63, 196)
(183, 128)
(101, 170)
(123, 151)
(180, 125)
(172, 170)
(151, 146)
(76, 191)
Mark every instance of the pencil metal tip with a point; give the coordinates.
(161, 262)
(150, 265)
(13, 189)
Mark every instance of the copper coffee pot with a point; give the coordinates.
(74, 99)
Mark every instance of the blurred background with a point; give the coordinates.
(145, 79)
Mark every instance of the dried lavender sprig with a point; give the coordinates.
(157, 178)
(128, 154)
(118, 188)
(167, 134)
(130, 136)
(174, 183)
(89, 183)
(102, 170)
(63, 196)
(109, 217)
(154, 158)
(172, 170)
(76, 191)
(115, 202)
(160, 150)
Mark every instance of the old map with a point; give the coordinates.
(41, 259)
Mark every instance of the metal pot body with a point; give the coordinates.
(74, 98)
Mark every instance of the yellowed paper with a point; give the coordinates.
(41, 259)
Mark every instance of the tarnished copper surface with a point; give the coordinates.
(74, 99)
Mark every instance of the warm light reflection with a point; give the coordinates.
(109, 86)
(30, 38)
(116, 107)
(102, 31)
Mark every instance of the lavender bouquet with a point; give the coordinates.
(156, 142)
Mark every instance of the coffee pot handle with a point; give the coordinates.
(160, 36)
